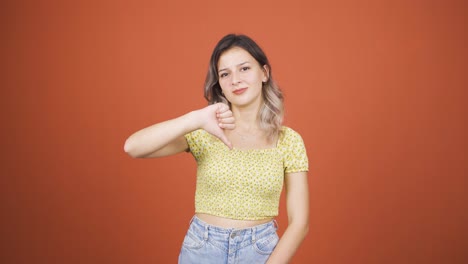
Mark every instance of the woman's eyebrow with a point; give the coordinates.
(240, 64)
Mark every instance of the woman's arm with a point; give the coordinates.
(297, 202)
(167, 138)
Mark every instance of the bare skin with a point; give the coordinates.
(230, 223)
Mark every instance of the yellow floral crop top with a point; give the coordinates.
(243, 184)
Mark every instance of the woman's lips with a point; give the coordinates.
(239, 91)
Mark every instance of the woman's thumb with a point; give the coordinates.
(224, 139)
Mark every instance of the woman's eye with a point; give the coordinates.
(245, 68)
(222, 75)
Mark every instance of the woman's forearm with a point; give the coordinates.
(288, 244)
(153, 138)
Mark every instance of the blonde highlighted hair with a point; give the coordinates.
(272, 111)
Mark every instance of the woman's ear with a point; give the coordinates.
(266, 71)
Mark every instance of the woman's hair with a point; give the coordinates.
(271, 112)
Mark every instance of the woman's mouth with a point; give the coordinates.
(239, 91)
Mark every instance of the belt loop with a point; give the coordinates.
(254, 231)
(205, 235)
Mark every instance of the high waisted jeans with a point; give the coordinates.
(208, 244)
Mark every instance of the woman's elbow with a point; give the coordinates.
(302, 228)
(129, 148)
(306, 229)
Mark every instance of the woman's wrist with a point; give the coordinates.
(194, 120)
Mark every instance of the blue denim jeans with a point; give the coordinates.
(208, 244)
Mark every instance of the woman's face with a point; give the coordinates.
(240, 77)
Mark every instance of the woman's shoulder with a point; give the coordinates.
(289, 136)
(289, 132)
(199, 135)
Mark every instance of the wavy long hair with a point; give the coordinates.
(272, 111)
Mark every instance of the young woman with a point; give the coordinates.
(244, 155)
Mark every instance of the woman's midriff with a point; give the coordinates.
(230, 223)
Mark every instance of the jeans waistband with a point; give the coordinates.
(250, 233)
(219, 229)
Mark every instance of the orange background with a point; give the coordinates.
(376, 88)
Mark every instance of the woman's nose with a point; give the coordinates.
(235, 78)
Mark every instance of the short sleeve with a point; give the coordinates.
(195, 141)
(294, 151)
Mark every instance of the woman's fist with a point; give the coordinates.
(215, 118)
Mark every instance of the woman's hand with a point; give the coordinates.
(215, 119)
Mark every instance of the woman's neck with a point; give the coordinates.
(248, 134)
(246, 118)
